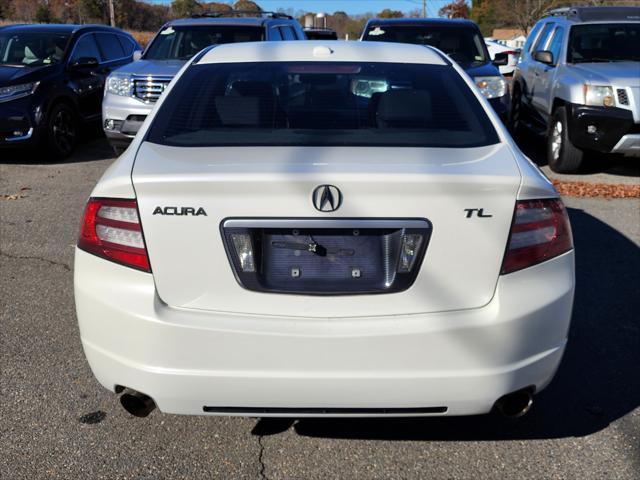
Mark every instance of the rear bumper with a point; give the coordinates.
(187, 360)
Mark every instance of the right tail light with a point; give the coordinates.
(540, 231)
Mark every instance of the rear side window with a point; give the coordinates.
(127, 45)
(109, 46)
(322, 104)
(288, 33)
(275, 34)
(86, 47)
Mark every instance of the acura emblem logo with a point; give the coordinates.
(327, 198)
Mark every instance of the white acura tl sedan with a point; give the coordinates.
(305, 229)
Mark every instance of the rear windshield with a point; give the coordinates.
(322, 104)
(182, 43)
(463, 44)
(604, 43)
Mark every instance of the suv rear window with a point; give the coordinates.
(183, 42)
(322, 104)
(463, 44)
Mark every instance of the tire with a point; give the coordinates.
(562, 155)
(62, 131)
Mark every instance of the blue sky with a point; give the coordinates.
(349, 6)
(353, 6)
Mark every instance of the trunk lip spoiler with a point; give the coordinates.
(342, 222)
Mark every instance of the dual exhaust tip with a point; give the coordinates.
(136, 403)
(515, 404)
(512, 405)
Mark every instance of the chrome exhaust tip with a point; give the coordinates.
(137, 404)
(515, 404)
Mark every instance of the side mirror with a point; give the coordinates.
(84, 62)
(137, 55)
(501, 59)
(543, 56)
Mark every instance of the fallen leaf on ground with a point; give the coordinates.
(15, 196)
(604, 190)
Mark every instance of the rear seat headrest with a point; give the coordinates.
(404, 108)
(240, 111)
(250, 88)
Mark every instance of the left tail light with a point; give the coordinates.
(111, 230)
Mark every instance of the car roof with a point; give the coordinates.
(322, 50)
(594, 14)
(58, 27)
(238, 21)
(422, 21)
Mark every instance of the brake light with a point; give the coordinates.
(111, 229)
(540, 231)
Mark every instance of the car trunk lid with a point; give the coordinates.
(466, 195)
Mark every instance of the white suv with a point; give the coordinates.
(305, 229)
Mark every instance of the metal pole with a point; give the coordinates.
(424, 8)
(112, 14)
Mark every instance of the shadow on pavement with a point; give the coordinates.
(91, 147)
(597, 382)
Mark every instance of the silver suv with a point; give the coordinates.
(578, 82)
(132, 91)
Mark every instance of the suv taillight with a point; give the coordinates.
(540, 231)
(111, 229)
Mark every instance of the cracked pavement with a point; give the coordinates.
(57, 422)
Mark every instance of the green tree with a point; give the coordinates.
(216, 7)
(455, 9)
(184, 8)
(43, 15)
(247, 5)
(388, 13)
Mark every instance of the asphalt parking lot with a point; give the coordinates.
(57, 422)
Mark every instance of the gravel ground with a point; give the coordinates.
(57, 422)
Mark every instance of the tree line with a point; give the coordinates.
(142, 16)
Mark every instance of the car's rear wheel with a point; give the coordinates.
(62, 131)
(562, 155)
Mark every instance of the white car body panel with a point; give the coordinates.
(190, 336)
(192, 269)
